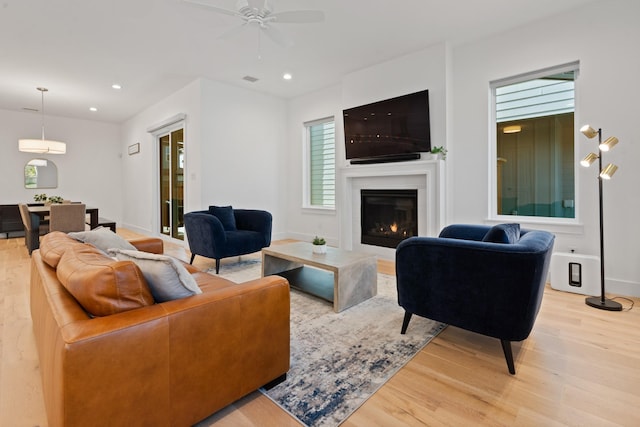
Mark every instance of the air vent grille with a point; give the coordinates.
(250, 79)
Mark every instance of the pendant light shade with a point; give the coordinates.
(42, 146)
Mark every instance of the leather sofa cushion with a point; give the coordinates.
(53, 245)
(101, 285)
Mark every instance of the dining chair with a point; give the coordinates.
(31, 242)
(67, 217)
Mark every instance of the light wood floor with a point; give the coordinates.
(579, 367)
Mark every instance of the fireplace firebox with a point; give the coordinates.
(388, 217)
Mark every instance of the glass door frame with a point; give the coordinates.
(171, 178)
(170, 125)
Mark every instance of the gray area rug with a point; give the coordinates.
(338, 360)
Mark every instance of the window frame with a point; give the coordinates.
(493, 215)
(306, 173)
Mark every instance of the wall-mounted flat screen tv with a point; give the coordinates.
(390, 128)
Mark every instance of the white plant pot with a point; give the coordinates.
(319, 249)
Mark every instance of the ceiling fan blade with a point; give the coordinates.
(208, 6)
(277, 36)
(298, 16)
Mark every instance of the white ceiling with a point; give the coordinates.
(78, 48)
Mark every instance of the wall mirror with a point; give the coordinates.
(40, 173)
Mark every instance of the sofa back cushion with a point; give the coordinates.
(54, 244)
(101, 285)
(503, 233)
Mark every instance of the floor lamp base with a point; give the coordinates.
(607, 304)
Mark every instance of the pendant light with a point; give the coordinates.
(42, 146)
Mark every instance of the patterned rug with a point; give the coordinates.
(338, 360)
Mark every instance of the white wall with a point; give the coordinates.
(89, 172)
(602, 36)
(234, 143)
(421, 70)
(243, 151)
(140, 181)
(302, 223)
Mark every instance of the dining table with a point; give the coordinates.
(40, 212)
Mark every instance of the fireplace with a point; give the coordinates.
(388, 216)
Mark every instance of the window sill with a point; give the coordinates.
(318, 210)
(553, 225)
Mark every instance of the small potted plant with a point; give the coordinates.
(55, 199)
(439, 150)
(40, 197)
(319, 245)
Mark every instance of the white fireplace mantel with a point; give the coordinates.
(427, 176)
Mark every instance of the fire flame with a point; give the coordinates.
(394, 227)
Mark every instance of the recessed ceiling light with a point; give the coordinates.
(287, 76)
(116, 86)
(93, 109)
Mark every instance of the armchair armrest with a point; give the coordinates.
(205, 233)
(254, 220)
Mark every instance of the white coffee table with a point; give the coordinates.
(344, 278)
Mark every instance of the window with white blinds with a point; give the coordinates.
(322, 163)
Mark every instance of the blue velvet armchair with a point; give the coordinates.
(488, 280)
(222, 232)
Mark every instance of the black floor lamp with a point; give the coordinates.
(601, 302)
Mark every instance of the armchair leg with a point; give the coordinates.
(506, 348)
(405, 322)
(193, 256)
(217, 265)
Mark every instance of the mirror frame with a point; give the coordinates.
(35, 178)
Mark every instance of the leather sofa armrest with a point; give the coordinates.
(153, 245)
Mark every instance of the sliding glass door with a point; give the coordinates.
(172, 183)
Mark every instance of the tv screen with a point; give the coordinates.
(391, 127)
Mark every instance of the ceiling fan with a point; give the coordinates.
(260, 14)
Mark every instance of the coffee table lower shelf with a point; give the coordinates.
(311, 280)
(345, 278)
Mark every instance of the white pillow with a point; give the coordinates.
(166, 276)
(102, 238)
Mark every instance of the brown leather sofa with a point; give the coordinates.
(163, 364)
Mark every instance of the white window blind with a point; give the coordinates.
(322, 163)
(535, 98)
